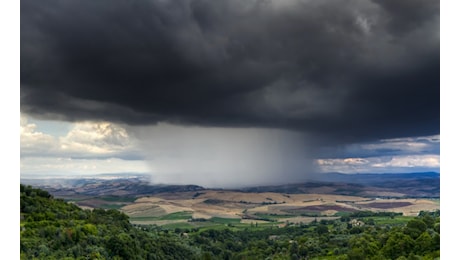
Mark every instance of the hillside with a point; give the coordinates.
(409, 185)
(54, 229)
(267, 206)
(180, 205)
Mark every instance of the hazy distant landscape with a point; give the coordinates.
(327, 195)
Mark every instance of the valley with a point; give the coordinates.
(189, 206)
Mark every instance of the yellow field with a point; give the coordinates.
(229, 204)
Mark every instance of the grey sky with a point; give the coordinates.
(338, 78)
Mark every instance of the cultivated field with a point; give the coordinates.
(264, 207)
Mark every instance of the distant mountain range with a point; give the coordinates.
(366, 178)
(418, 185)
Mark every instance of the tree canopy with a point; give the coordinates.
(54, 229)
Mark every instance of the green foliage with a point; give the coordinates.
(54, 229)
(398, 244)
(322, 229)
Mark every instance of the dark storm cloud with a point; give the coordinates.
(351, 70)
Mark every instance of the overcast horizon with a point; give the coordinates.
(228, 93)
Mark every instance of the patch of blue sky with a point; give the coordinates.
(51, 127)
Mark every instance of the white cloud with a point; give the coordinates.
(383, 164)
(87, 148)
(49, 166)
(88, 139)
(96, 138)
(428, 160)
(33, 141)
(410, 144)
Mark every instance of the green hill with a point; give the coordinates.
(54, 229)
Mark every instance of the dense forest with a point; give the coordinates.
(53, 229)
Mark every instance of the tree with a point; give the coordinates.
(398, 244)
(415, 227)
(322, 229)
(363, 246)
(423, 244)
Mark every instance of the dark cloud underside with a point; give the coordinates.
(341, 69)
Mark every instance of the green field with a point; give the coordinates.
(225, 220)
(186, 222)
(391, 221)
(181, 225)
(177, 215)
(185, 215)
